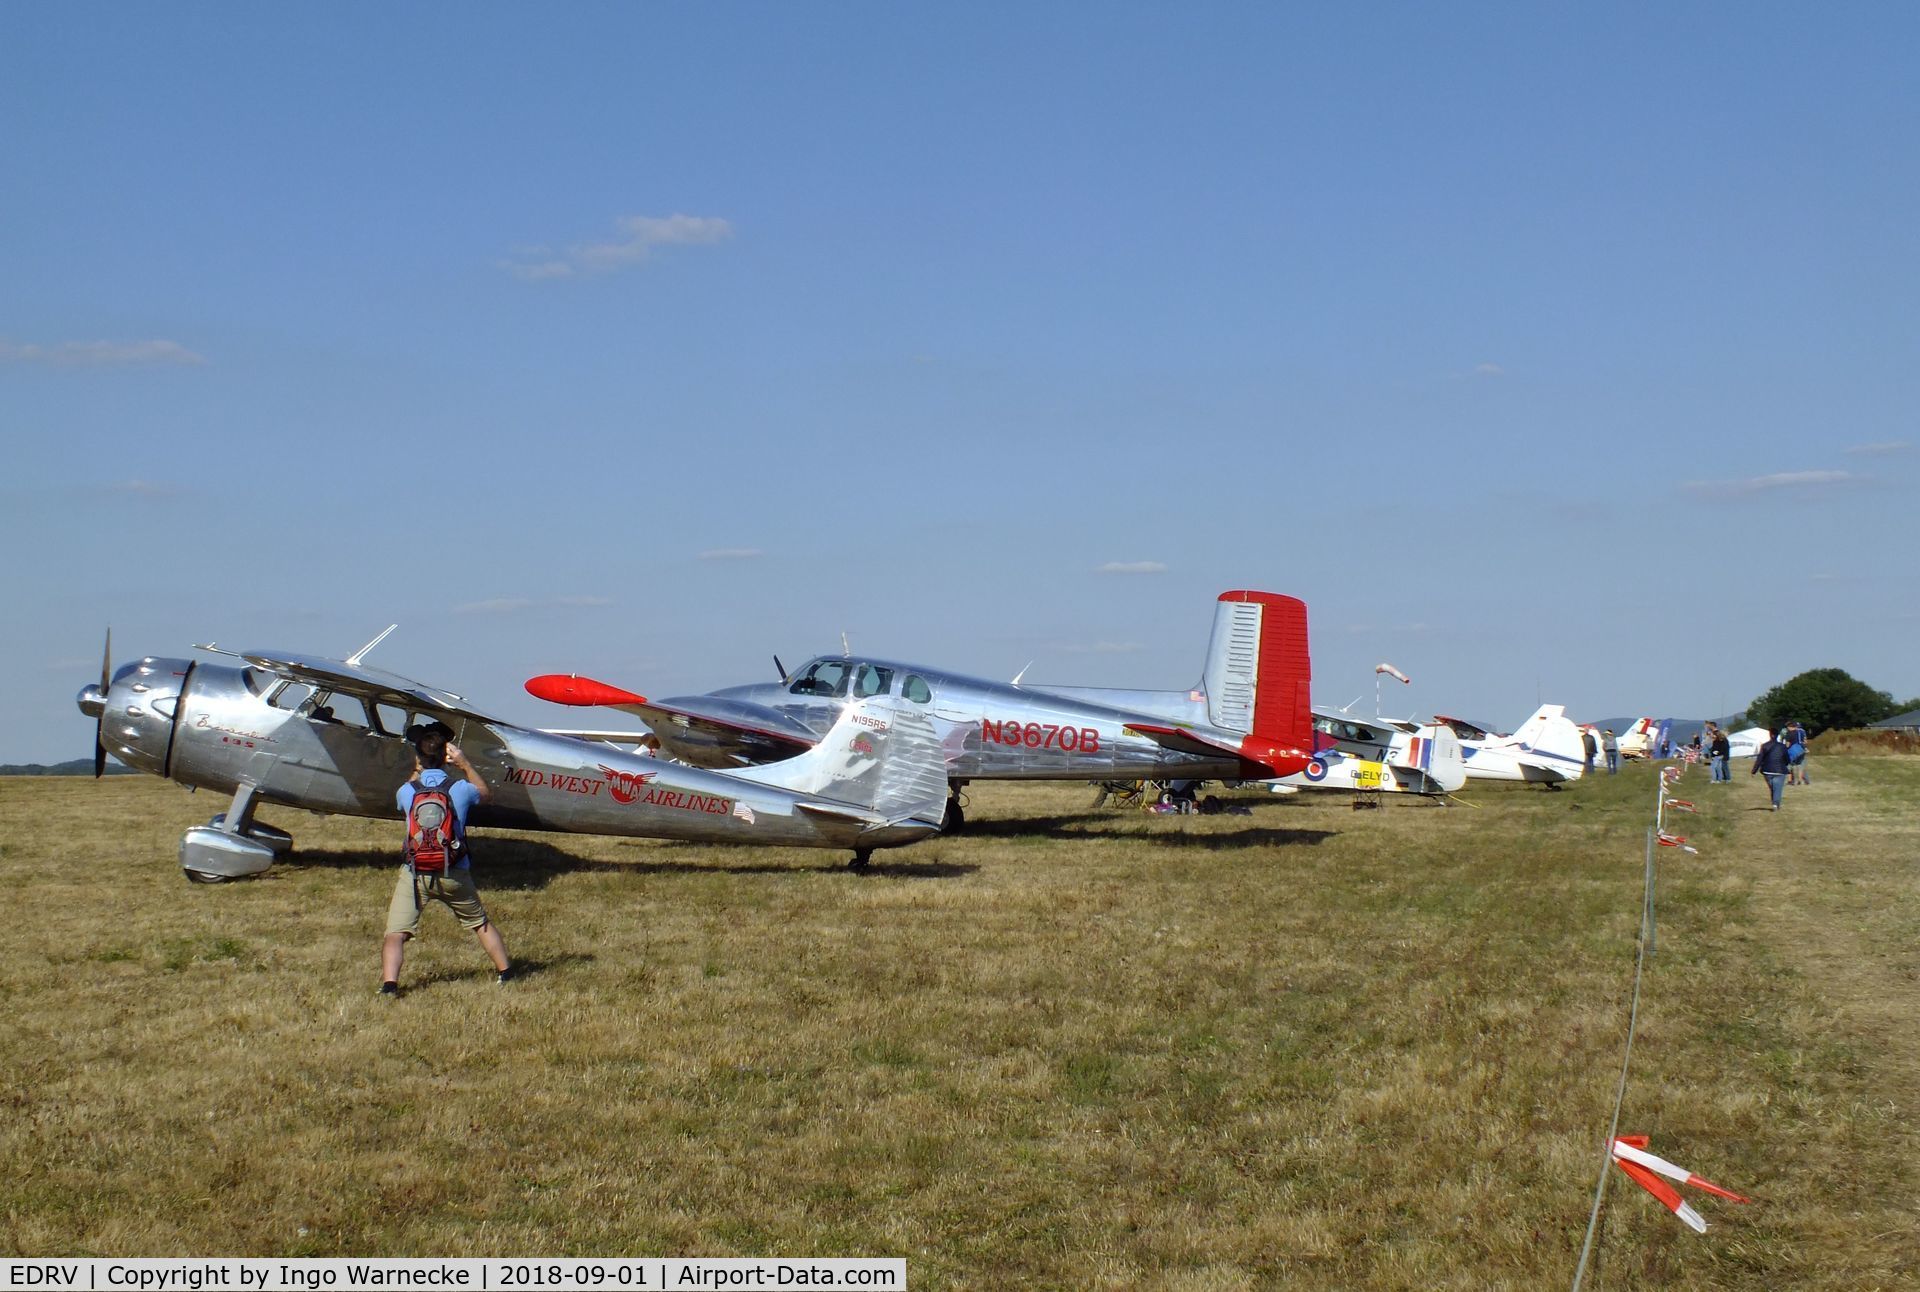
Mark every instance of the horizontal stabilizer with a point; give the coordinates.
(880, 764)
(1264, 754)
(841, 812)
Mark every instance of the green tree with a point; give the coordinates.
(1821, 699)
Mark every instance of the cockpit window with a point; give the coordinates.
(344, 710)
(915, 688)
(871, 679)
(290, 695)
(823, 677)
(1345, 730)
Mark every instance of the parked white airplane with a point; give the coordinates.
(1643, 738)
(1384, 755)
(1546, 749)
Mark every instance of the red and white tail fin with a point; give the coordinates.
(1259, 678)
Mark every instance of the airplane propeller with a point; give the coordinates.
(100, 723)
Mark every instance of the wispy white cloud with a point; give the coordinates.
(732, 554)
(1882, 449)
(638, 235)
(514, 605)
(1098, 648)
(137, 488)
(1488, 370)
(99, 354)
(1133, 567)
(1751, 485)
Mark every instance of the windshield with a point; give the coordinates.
(823, 677)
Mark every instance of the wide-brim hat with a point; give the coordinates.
(420, 730)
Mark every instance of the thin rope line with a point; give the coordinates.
(1620, 1096)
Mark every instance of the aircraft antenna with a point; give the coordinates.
(846, 651)
(353, 660)
(780, 668)
(1022, 673)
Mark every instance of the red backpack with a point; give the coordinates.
(434, 839)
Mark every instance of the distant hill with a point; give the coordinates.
(72, 767)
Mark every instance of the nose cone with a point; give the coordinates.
(137, 711)
(92, 700)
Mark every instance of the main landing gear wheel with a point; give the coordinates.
(956, 819)
(862, 858)
(205, 877)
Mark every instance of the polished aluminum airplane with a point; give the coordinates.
(1248, 719)
(329, 736)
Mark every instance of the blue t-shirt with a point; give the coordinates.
(463, 792)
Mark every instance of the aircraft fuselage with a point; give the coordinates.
(999, 731)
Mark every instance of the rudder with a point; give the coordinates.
(1259, 675)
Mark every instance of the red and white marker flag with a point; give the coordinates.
(1681, 805)
(1644, 1169)
(1677, 841)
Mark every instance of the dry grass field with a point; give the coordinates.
(1308, 1047)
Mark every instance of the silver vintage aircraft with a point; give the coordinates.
(329, 736)
(1249, 718)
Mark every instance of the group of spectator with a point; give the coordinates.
(1782, 759)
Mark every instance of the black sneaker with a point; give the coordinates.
(504, 976)
(389, 990)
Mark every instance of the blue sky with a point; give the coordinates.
(1547, 352)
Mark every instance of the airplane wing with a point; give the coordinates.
(372, 684)
(704, 730)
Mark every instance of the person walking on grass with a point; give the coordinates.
(1612, 748)
(1588, 747)
(1771, 762)
(437, 864)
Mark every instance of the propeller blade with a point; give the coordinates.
(100, 723)
(781, 668)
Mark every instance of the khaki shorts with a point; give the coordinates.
(455, 888)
